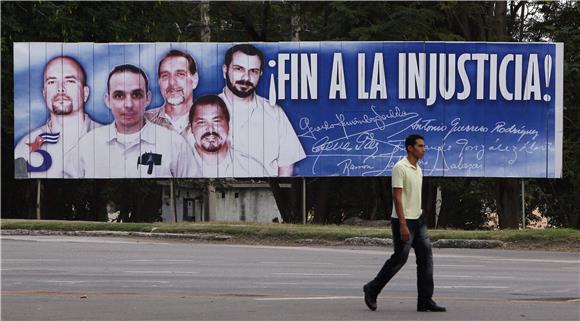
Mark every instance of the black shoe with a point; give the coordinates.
(429, 305)
(370, 298)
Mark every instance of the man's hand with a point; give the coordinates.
(405, 234)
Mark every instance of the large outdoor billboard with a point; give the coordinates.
(153, 110)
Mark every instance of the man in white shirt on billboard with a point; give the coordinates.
(209, 122)
(257, 128)
(65, 93)
(130, 147)
(178, 78)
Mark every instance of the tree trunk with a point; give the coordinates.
(205, 21)
(281, 200)
(124, 202)
(289, 206)
(376, 199)
(265, 18)
(386, 196)
(429, 200)
(500, 15)
(507, 188)
(574, 216)
(98, 206)
(508, 209)
(295, 198)
(321, 201)
(446, 200)
(374, 204)
(295, 21)
(522, 15)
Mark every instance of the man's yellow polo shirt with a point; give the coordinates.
(410, 179)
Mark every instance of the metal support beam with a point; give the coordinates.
(38, 198)
(173, 208)
(523, 206)
(303, 200)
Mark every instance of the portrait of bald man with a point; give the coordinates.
(40, 153)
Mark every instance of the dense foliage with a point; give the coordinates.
(466, 202)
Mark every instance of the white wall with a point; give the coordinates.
(251, 205)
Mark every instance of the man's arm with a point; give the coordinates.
(284, 171)
(398, 199)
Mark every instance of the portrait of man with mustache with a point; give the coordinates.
(258, 129)
(209, 120)
(178, 78)
(65, 92)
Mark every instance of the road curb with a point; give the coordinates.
(443, 243)
(353, 241)
(369, 241)
(194, 236)
(468, 244)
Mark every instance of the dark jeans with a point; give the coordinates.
(418, 240)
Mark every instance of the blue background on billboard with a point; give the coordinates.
(351, 136)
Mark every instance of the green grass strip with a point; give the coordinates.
(286, 231)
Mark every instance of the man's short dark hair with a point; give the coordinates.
(209, 100)
(130, 68)
(83, 73)
(246, 48)
(411, 140)
(178, 53)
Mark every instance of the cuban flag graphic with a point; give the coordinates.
(48, 138)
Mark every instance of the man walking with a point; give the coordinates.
(409, 230)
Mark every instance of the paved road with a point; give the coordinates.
(79, 278)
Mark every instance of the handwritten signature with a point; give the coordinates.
(372, 143)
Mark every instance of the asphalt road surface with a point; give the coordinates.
(80, 278)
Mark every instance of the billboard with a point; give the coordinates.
(157, 110)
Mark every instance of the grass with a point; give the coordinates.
(289, 231)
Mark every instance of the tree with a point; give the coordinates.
(464, 199)
(558, 198)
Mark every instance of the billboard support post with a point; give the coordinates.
(523, 206)
(173, 209)
(38, 192)
(303, 200)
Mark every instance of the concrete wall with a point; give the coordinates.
(233, 204)
(181, 196)
(247, 205)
